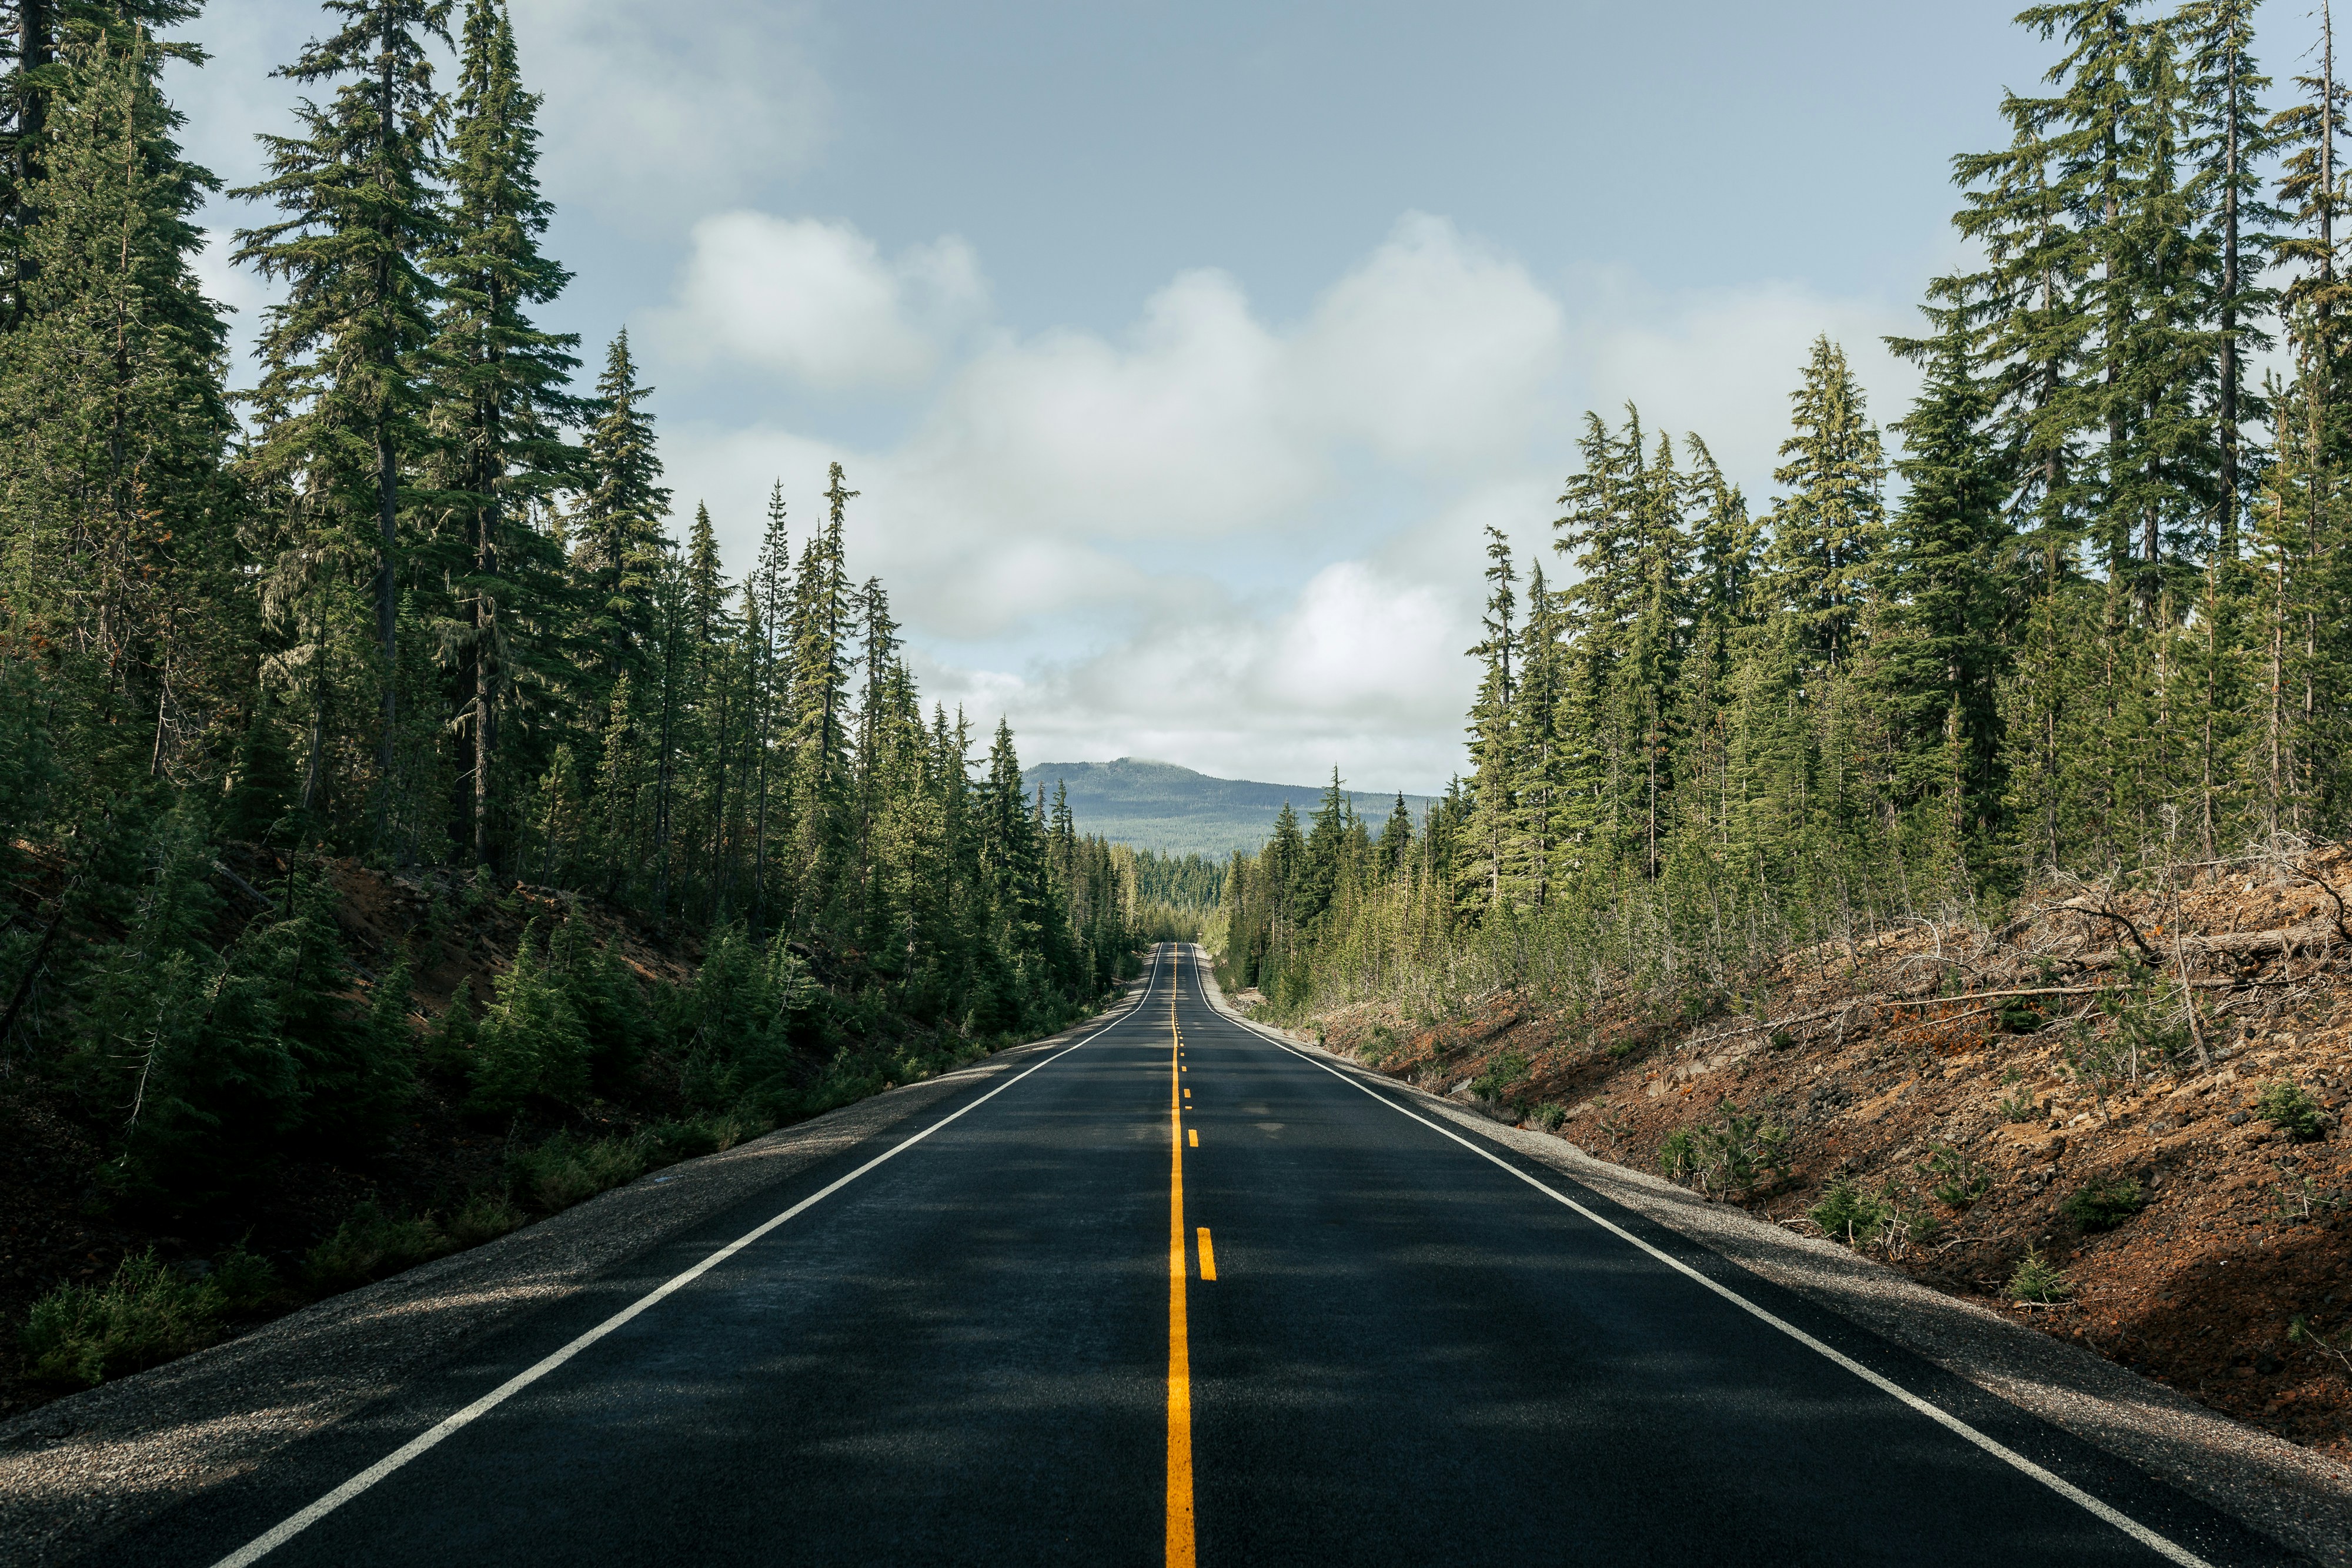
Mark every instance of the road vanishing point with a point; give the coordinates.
(1179, 1292)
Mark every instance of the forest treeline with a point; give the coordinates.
(2092, 617)
(410, 597)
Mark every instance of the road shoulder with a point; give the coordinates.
(2296, 1497)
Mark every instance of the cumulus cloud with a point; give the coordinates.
(1723, 361)
(1436, 349)
(653, 112)
(818, 301)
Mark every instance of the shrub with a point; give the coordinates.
(485, 1216)
(566, 1169)
(1502, 1074)
(530, 1042)
(1863, 1219)
(245, 1280)
(145, 1314)
(1849, 1214)
(371, 1245)
(2019, 1107)
(2038, 1280)
(2104, 1202)
(1959, 1180)
(1549, 1115)
(2293, 1110)
(1678, 1154)
(1738, 1151)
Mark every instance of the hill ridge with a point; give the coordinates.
(1174, 809)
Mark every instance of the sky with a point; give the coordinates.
(1180, 352)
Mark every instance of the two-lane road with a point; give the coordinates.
(1175, 1291)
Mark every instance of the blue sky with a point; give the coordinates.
(1180, 351)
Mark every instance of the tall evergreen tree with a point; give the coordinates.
(343, 397)
(504, 394)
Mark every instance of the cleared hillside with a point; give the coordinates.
(1174, 810)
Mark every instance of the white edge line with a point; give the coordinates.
(270, 1540)
(2057, 1483)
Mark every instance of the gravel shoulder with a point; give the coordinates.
(76, 1472)
(2297, 1496)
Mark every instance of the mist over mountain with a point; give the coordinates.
(1175, 810)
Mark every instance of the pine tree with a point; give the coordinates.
(1490, 728)
(121, 525)
(503, 395)
(341, 403)
(1827, 532)
(1938, 668)
(617, 555)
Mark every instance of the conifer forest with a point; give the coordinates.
(2078, 612)
(403, 618)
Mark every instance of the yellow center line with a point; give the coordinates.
(1180, 1359)
(1208, 1258)
(1193, 1136)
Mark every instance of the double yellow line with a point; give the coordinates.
(1180, 1359)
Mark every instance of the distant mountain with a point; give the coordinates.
(1160, 805)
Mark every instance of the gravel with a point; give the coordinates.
(2298, 1497)
(83, 1470)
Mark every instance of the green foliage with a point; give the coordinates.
(1738, 1151)
(371, 1245)
(567, 1168)
(1850, 1214)
(2293, 1110)
(2104, 1202)
(2018, 1106)
(484, 1217)
(1863, 1220)
(2038, 1281)
(1549, 1115)
(530, 1044)
(1504, 1072)
(246, 1280)
(145, 1314)
(1957, 1180)
(1678, 1154)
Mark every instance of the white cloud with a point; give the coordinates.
(1722, 363)
(818, 301)
(654, 112)
(1435, 348)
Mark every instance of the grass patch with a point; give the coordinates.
(144, 1315)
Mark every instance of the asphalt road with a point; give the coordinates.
(1000, 1345)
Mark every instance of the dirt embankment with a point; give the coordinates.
(2094, 1085)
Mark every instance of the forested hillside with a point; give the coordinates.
(1941, 857)
(2083, 616)
(404, 620)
